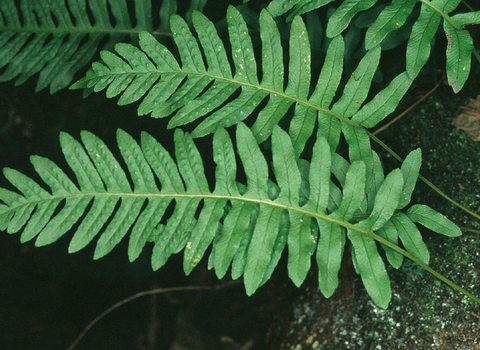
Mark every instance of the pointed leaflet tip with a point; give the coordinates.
(433, 220)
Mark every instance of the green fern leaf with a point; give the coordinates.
(410, 170)
(459, 53)
(199, 89)
(329, 256)
(386, 201)
(433, 220)
(247, 225)
(418, 48)
(423, 31)
(464, 19)
(319, 176)
(330, 75)
(371, 268)
(303, 121)
(341, 18)
(384, 102)
(410, 236)
(390, 19)
(72, 40)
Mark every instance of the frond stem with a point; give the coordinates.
(476, 54)
(468, 6)
(468, 229)
(246, 84)
(441, 13)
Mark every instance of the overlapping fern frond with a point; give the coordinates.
(57, 38)
(194, 89)
(391, 18)
(248, 225)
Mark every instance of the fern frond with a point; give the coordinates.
(392, 18)
(57, 38)
(182, 87)
(196, 89)
(248, 225)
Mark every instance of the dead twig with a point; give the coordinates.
(410, 108)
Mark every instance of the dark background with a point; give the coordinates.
(48, 296)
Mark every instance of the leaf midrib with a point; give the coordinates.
(237, 82)
(321, 216)
(194, 195)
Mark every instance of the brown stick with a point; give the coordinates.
(409, 108)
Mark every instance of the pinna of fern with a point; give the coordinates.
(248, 225)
